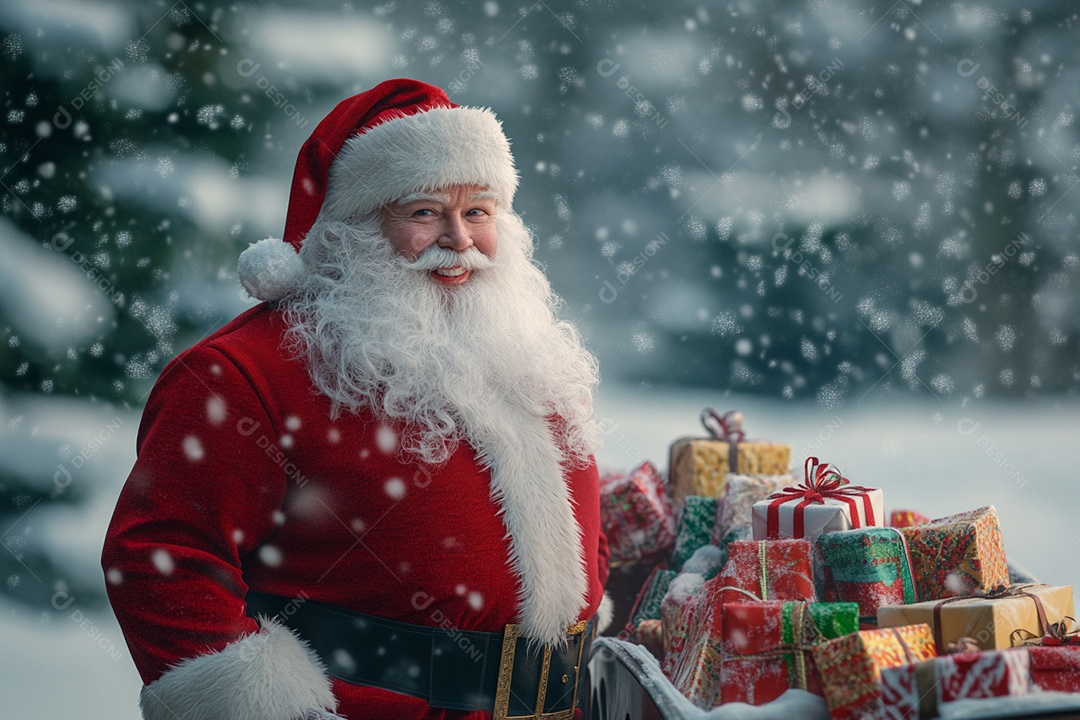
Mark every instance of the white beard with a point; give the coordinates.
(380, 334)
(485, 362)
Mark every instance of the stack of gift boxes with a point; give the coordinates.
(772, 582)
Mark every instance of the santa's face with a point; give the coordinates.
(454, 218)
(455, 362)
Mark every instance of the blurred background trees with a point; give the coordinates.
(817, 202)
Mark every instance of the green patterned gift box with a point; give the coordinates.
(870, 567)
(647, 604)
(695, 528)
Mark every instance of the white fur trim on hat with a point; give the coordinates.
(432, 149)
(270, 675)
(269, 268)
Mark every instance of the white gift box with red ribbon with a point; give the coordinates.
(824, 502)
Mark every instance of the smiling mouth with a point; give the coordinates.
(454, 275)
(455, 271)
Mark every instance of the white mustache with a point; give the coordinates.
(435, 257)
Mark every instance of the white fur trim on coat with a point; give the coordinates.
(269, 675)
(432, 149)
(269, 268)
(546, 554)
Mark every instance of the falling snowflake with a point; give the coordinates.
(215, 410)
(643, 342)
(1005, 337)
(270, 556)
(193, 448)
(395, 488)
(726, 324)
(386, 439)
(162, 561)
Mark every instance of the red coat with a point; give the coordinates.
(243, 482)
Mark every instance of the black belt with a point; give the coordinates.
(449, 668)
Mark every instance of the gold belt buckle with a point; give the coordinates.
(506, 671)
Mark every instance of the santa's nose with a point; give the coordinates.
(455, 235)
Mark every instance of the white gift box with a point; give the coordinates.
(833, 514)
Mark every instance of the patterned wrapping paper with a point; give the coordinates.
(650, 635)
(697, 673)
(699, 677)
(636, 515)
(957, 555)
(647, 604)
(850, 667)
(695, 528)
(700, 466)
(770, 569)
(909, 692)
(870, 567)
(906, 518)
(1054, 668)
(680, 613)
(733, 519)
(824, 502)
(767, 646)
(989, 621)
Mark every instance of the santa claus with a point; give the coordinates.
(373, 494)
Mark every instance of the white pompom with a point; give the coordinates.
(269, 268)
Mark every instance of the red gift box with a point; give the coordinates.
(907, 518)
(766, 647)
(916, 690)
(691, 627)
(636, 514)
(697, 674)
(1055, 668)
(679, 612)
(770, 569)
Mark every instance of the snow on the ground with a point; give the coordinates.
(75, 665)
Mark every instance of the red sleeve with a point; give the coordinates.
(201, 495)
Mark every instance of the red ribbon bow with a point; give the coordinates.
(1058, 634)
(726, 427)
(822, 481)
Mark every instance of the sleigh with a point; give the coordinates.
(627, 684)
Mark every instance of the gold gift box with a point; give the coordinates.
(990, 622)
(699, 466)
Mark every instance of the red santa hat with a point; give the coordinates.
(400, 137)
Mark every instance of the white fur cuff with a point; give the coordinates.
(270, 675)
(604, 613)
